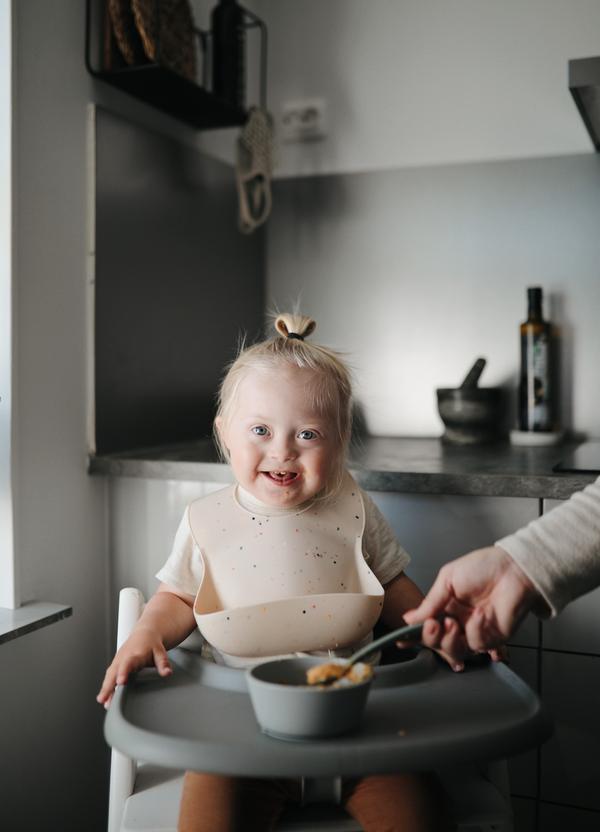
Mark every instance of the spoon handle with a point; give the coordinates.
(411, 632)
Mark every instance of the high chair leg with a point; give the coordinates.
(122, 780)
(122, 769)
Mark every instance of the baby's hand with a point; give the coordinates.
(447, 640)
(444, 637)
(143, 648)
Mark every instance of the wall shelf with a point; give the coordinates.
(157, 74)
(159, 87)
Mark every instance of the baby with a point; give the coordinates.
(293, 558)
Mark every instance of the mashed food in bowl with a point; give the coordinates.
(339, 674)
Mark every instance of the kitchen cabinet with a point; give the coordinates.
(570, 681)
(524, 814)
(555, 818)
(523, 769)
(435, 529)
(570, 760)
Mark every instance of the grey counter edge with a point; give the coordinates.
(160, 469)
(555, 487)
(473, 485)
(30, 617)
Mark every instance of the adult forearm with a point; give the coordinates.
(560, 551)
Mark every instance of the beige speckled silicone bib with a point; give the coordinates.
(286, 583)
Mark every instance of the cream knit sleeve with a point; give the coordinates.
(560, 551)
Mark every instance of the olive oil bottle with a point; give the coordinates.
(535, 388)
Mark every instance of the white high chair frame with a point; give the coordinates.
(145, 797)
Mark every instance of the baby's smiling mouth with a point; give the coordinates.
(281, 477)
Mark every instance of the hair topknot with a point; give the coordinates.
(287, 324)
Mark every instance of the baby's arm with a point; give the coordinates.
(400, 594)
(167, 619)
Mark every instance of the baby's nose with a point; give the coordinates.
(284, 450)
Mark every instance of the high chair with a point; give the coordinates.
(145, 797)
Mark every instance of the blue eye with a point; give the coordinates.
(307, 434)
(260, 430)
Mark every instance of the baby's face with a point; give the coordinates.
(282, 449)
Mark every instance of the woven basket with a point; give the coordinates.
(171, 32)
(126, 34)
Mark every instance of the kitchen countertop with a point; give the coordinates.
(29, 617)
(400, 464)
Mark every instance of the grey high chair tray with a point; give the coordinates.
(419, 715)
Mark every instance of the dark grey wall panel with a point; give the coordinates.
(176, 283)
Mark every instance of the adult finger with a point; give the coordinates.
(431, 635)
(433, 604)
(481, 630)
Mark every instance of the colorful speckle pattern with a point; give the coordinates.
(284, 583)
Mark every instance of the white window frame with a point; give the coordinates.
(9, 596)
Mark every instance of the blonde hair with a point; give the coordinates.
(331, 388)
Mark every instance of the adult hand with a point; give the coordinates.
(485, 592)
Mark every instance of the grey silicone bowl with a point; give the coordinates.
(287, 708)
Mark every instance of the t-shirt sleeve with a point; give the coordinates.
(184, 568)
(382, 551)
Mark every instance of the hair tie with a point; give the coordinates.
(296, 336)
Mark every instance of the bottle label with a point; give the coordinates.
(536, 411)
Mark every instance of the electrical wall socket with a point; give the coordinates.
(303, 120)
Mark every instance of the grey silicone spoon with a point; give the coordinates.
(411, 632)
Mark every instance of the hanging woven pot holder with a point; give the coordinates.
(254, 168)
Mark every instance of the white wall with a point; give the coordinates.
(427, 82)
(456, 172)
(414, 273)
(421, 82)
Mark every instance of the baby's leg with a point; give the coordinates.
(397, 803)
(218, 803)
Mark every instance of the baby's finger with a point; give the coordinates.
(452, 644)
(161, 661)
(433, 630)
(430, 635)
(499, 654)
(107, 688)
